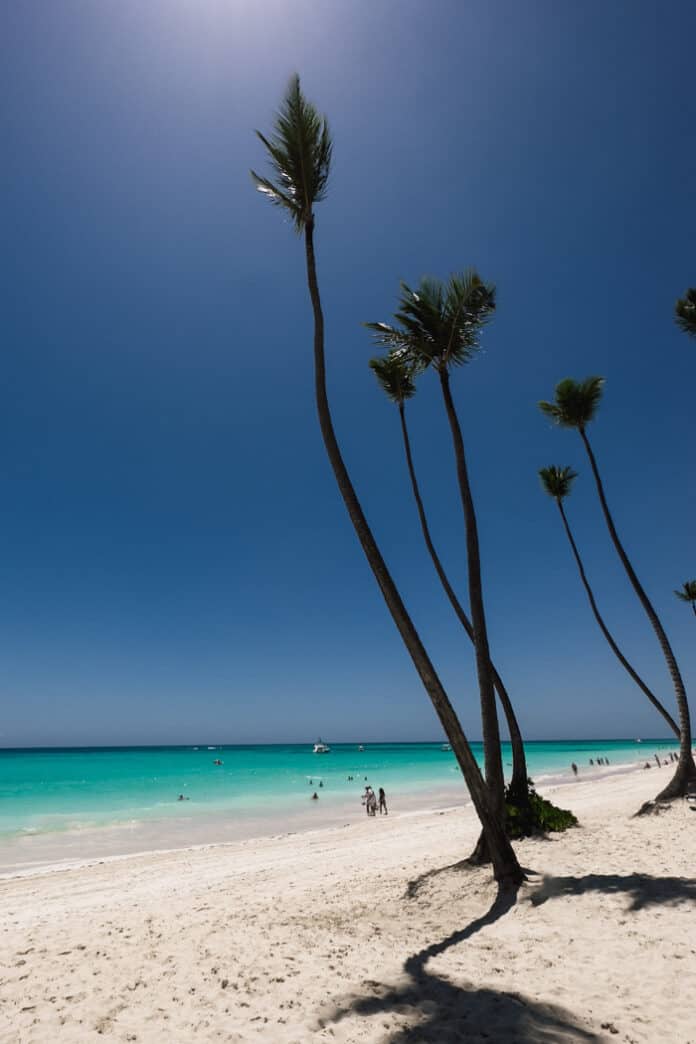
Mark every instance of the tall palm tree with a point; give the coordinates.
(688, 593)
(575, 406)
(685, 312)
(395, 377)
(438, 326)
(557, 482)
(299, 151)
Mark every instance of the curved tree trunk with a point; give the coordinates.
(489, 716)
(506, 868)
(686, 770)
(518, 782)
(605, 631)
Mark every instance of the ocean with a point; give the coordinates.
(67, 803)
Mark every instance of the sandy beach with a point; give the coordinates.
(368, 933)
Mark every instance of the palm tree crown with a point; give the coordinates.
(439, 323)
(395, 376)
(688, 592)
(557, 481)
(300, 156)
(576, 402)
(685, 312)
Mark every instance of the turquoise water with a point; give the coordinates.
(72, 790)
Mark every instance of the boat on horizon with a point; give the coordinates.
(446, 747)
(321, 748)
(360, 747)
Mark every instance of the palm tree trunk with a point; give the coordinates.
(506, 868)
(686, 770)
(489, 716)
(659, 707)
(518, 783)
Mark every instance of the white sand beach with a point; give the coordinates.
(369, 933)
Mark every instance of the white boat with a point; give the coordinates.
(361, 748)
(321, 748)
(446, 747)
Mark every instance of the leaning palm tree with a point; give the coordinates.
(395, 377)
(688, 593)
(557, 482)
(299, 151)
(575, 406)
(685, 312)
(438, 326)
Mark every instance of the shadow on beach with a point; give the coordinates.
(643, 889)
(440, 1012)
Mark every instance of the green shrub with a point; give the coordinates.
(534, 814)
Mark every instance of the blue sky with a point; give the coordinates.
(176, 563)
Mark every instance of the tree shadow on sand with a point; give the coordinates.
(440, 1012)
(642, 889)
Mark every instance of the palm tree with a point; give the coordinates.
(558, 482)
(688, 593)
(299, 151)
(575, 406)
(395, 377)
(685, 312)
(439, 325)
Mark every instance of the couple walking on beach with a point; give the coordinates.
(370, 800)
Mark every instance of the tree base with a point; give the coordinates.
(677, 786)
(526, 815)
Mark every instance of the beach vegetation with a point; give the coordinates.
(536, 816)
(395, 375)
(685, 312)
(299, 152)
(438, 326)
(575, 405)
(558, 482)
(688, 593)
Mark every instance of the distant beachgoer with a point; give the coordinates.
(315, 796)
(574, 768)
(591, 761)
(320, 783)
(370, 801)
(657, 760)
(382, 802)
(647, 765)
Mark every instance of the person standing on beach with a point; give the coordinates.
(574, 768)
(382, 802)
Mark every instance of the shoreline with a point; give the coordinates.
(114, 842)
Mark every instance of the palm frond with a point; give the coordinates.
(299, 152)
(557, 482)
(394, 375)
(685, 312)
(576, 402)
(688, 592)
(438, 324)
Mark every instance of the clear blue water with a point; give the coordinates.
(58, 790)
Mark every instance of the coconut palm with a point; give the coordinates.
(688, 593)
(557, 482)
(299, 151)
(685, 312)
(395, 377)
(439, 326)
(575, 406)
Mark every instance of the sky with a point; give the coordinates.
(176, 564)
